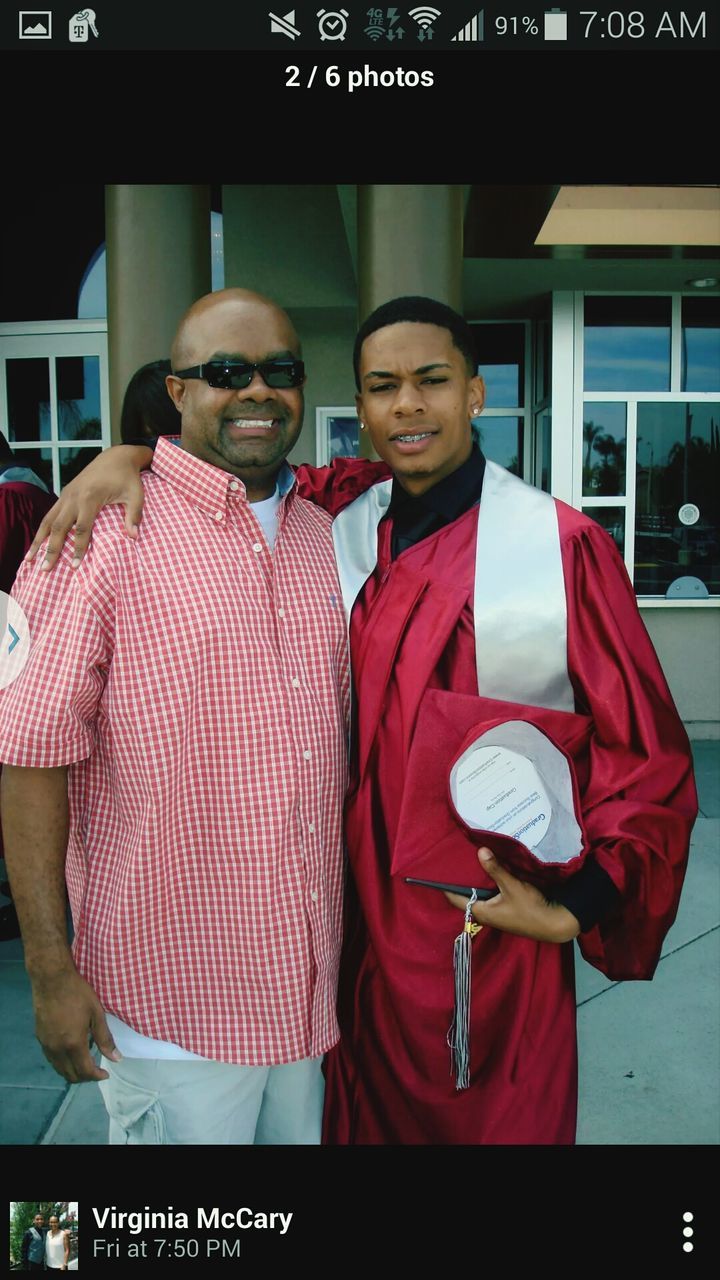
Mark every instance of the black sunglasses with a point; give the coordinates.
(233, 375)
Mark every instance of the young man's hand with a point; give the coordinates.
(113, 477)
(519, 907)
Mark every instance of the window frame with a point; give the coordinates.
(568, 369)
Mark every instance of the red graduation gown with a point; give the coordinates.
(389, 1079)
(22, 507)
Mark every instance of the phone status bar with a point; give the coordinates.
(388, 29)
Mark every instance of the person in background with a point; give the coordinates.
(147, 410)
(24, 500)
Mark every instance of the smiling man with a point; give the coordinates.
(477, 605)
(175, 747)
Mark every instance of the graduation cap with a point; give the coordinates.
(501, 774)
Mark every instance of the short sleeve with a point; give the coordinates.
(47, 713)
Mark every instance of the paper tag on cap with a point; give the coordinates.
(495, 789)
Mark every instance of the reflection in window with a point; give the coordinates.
(501, 440)
(28, 398)
(501, 362)
(78, 393)
(678, 463)
(627, 344)
(612, 519)
(72, 462)
(343, 437)
(603, 449)
(701, 344)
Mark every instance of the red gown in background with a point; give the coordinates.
(389, 1079)
(22, 507)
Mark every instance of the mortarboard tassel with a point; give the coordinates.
(459, 1034)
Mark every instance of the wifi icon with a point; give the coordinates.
(424, 15)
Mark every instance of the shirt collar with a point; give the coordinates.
(449, 498)
(204, 485)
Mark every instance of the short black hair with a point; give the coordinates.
(417, 310)
(147, 405)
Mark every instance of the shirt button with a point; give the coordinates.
(314, 895)
(311, 827)
(218, 515)
(306, 755)
(296, 683)
(234, 485)
(257, 546)
(281, 613)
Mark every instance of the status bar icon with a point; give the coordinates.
(284, 26)
(555, 25)
(473, 30)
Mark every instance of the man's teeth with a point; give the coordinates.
(252, 422)
(422, 435)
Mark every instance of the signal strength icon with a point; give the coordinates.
(424, 15)
(473, 30)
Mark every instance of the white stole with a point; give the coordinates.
(520, 609)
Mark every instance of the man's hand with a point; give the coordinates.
(67, 1015)
(519, 907)
(114, 476)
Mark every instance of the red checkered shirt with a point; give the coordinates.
(198, 687)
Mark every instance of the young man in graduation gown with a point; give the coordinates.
(474, 600)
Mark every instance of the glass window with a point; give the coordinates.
(501, 362)
(701, 344)
(627, 344)
(501, 440)
(78, 388)
(612, 519)
(543, 437)
(28, 396)
(72, 462)
(603, 449)
(677, 526)
(343, 436)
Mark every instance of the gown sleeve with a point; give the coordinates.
(336, 486)
(640, 801)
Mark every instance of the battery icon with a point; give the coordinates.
(555, 25)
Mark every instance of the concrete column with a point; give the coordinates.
(410, 241)
(158, 263)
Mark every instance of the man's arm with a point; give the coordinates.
(114, 476)
(35, 832)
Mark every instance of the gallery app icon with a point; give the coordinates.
(35, 24)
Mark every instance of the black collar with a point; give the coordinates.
(449, 498)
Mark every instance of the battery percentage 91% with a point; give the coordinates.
(511, 26)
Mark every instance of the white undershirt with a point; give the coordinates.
(131, 1043)
(266, 514)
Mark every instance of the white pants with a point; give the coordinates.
(171, 1102)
